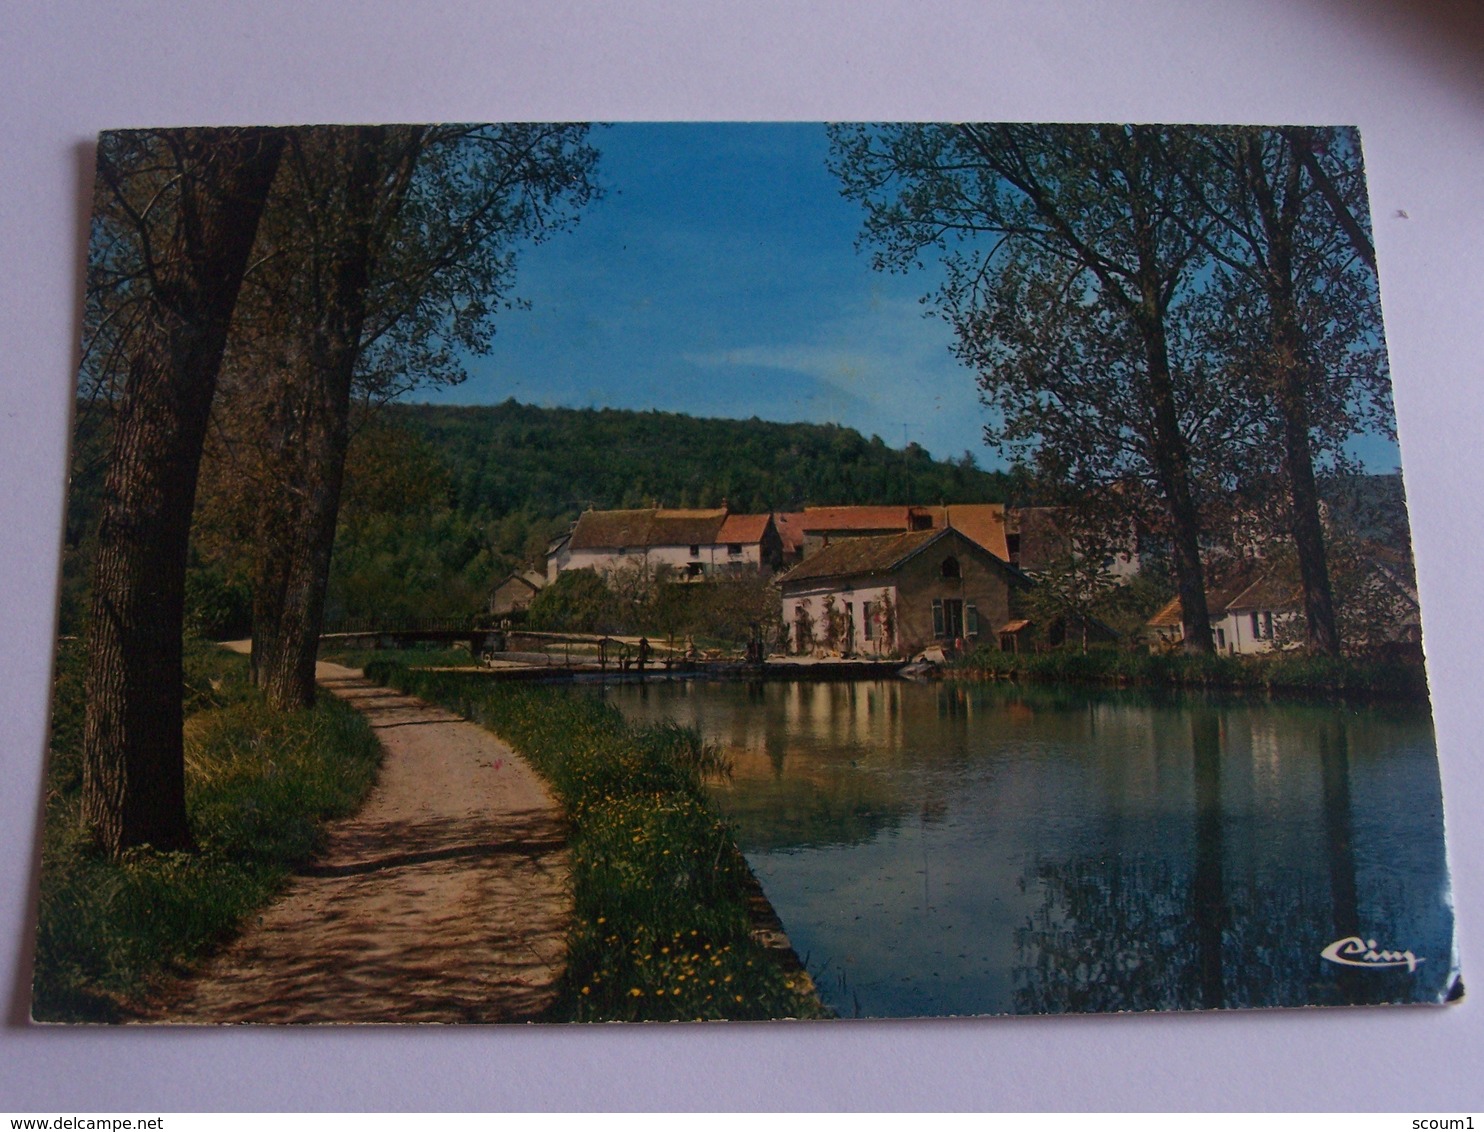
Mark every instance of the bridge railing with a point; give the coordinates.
(466, 623)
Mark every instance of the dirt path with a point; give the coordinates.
(445, 899)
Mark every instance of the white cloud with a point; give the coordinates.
(892, 368)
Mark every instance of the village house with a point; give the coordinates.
(685, 544)
(1248, 616)
(897, 594)
(515, 593)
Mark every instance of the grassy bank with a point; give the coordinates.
(259, 785)
(661, 928)
(1288, 672)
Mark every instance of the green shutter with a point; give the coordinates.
(971, 620)
(937, 617)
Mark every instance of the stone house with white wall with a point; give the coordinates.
(897, 594)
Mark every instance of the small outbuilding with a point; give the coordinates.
(515, 593)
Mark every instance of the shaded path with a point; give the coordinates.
(445, 899)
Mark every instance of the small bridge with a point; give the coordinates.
(367, 633)
(479, 639)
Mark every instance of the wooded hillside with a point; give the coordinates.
(441, 502)
(512, 457)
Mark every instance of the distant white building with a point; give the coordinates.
(1247, 616)
(690, 544)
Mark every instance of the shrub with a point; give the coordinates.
(1287, 671)
(259, 785)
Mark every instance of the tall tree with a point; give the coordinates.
(343, 189)
(1293, 255)
(176, 214)
(386, 255)
(1071, 286)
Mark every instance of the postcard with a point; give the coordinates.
(552, 572)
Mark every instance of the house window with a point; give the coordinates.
(695, 551)
(971, 620)
(1262, 626)
(734, 549)
(868, 615)
(950, 567)
(695, 570)
(1221, 638)
(850, 626)
(948, 618)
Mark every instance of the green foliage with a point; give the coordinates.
(218, 602)
(259, 785)
(69, 704)
(1127, 607)
(1284, 671)
(724, 611)
(441, 502)
(514, 459)
(578, 601)
(661, 928)
(419, 656)
(410, 567)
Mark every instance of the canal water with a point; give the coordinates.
(954, 848)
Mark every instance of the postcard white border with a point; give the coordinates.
(1407, 76)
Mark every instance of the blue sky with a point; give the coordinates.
(720, 277)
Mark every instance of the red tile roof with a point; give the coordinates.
(790, 526)
(983, 523)
(856, 518)
(1171, 615)
(743, 528)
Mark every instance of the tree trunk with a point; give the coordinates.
(1171, 459)
(1190, 580)
(1290, 393)
(298, 528)
(1170, 455)
(133, 756)
(1305, 521)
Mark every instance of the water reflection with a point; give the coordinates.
(943, 849)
